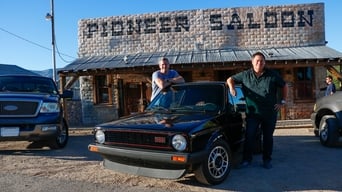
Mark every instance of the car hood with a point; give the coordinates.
(161, 121)
(333, 102)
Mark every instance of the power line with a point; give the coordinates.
(60, 54)
(19, 37)
(36, 44)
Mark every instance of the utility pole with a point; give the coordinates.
(50, 16)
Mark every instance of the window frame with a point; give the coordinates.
(102, 85)
(305, 83)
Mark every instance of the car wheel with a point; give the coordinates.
(328, 131)
(62, 137)
(217, 165)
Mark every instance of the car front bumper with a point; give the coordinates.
(164, 157)
(313, 120)
(38, 132)
(150, 163)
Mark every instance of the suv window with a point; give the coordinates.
(27, 84)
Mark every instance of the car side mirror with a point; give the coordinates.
(67, 94)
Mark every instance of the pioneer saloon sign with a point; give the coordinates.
(211, 28)
(181, 23)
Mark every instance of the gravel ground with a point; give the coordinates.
(300, 163)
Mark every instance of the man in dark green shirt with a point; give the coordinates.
(259, 86)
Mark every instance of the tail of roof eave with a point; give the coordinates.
(317, 52)
(296, 53)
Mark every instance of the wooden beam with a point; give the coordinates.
(71, 81)
(334, 72)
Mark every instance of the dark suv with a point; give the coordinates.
(327, 119)
(31, 110)
(189, 128)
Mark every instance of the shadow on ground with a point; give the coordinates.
(76, 149)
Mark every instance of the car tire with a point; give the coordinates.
(216, 166)
(328, 131)
(62, 137)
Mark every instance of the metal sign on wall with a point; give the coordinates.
(223, 28)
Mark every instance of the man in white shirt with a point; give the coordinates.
(164, 77)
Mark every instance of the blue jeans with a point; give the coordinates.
(267, 125)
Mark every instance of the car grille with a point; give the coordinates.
(138, 139)
(18, 108)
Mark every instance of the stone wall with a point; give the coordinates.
(84, 112)
(246, 27)
(299, 111)
(320, 74)
(74, 108)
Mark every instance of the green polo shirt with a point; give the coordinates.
(260, 92)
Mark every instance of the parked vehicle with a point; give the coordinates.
(188, 128)
(327, 119)
(30, 110)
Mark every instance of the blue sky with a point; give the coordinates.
(25, 34)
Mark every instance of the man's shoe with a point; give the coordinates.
(267, 165)
(244, 164)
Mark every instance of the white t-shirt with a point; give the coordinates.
(157, 74)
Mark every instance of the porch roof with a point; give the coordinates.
(201, 57)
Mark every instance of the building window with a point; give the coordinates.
(303, 87)
(102, 89)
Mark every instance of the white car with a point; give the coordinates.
(327, 119)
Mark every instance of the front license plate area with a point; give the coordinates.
(9, 131)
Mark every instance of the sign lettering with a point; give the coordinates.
(181, 23)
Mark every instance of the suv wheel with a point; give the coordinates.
(61, 139)
(217, 165)
(328, 132)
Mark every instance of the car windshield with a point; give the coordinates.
(191, 98)
(27, 84)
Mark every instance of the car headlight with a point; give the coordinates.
(179, 142)
(100, 136)
(50, 108)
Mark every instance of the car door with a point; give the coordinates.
(236, 115)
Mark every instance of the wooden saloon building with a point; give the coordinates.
(117, 55)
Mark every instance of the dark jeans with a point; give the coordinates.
(267, 125)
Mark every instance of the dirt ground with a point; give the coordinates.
(300, 164)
